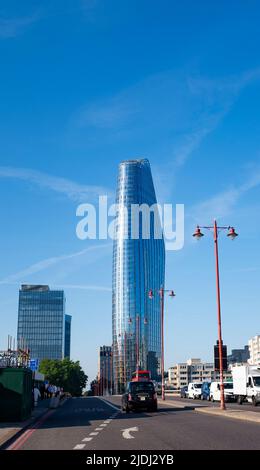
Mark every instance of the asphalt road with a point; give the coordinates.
(94, 424)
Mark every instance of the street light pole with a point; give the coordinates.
(232, 235)
(162, 295)
(220, 343)
(162, 340)
(137, 341)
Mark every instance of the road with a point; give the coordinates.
(95, 424)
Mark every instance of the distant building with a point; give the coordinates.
(67, 336)
(105, 370)
(254, 350)
(41, 321)
(194, 370)
(238, 356)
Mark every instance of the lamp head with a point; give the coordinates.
(172, 293)
(198, 234)
(232, 233)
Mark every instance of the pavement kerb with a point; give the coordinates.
(242, 415)
(175, 404)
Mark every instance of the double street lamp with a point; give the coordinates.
(161, 293)
(232, 235)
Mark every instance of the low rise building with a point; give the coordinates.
(194, 370)
(254, 350)
(238, 356)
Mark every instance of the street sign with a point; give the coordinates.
(34, 364)
(224, 357)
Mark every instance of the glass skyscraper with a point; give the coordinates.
(67, 338)
(41, 321)
(138, 266)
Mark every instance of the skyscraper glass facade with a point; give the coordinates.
(105, 370)
(138, 266)
(41, 321)
(67, 338)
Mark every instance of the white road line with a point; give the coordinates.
(98, 429)
(109, 404)
(87, 439)
(108, 421)
(79, 446)
(93, 434)
(103, 425)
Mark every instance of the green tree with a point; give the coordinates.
(65, 373)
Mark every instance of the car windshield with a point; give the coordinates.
(256, 381)
(228, 385)
(197, 385)
(142, 387)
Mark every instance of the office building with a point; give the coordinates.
(41, 321)
(105, 370)
(138, 265)
(194, 370)
(67, 336)
(238, 356)
(254, 350)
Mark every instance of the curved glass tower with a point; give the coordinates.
(138, 266)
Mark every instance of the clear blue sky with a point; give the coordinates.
(85, 84)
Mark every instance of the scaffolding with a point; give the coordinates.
(15, 357)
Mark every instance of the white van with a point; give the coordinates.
(215, 391)
(246, 379)
(194, 390)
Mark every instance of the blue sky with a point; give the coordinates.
(85, 84)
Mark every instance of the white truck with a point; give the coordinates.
(246, 383)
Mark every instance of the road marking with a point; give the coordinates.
(126, 432)
(79, 446)
(27, 434)
(109, 404)
(88, 410)
(103, 425)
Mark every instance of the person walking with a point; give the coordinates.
(36, 395)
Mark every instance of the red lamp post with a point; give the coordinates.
(162, 294)
(232, 235)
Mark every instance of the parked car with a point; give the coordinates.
(194, 390)
(139, 395)
(184, 392)
(215, 391)
(205, 391)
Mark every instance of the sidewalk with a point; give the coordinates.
(242, 414)
(9, 430)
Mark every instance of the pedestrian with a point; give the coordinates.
(42, 391)
(49, 391)
(36, 395)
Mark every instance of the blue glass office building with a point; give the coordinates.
(138, 266)
(67, 336)
(41, 321)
